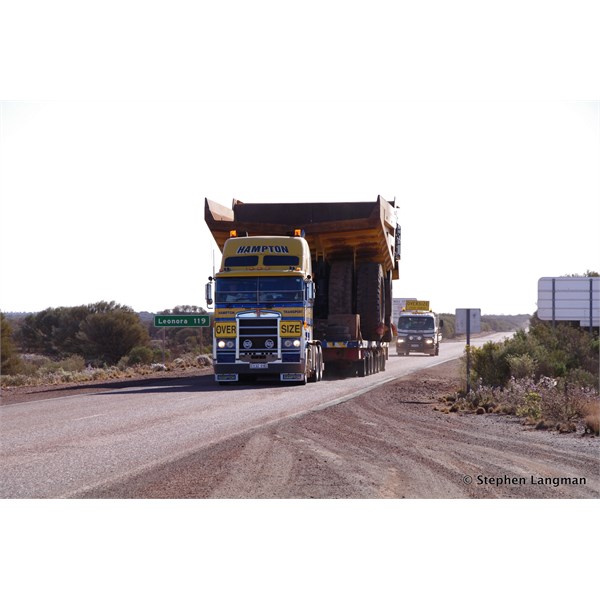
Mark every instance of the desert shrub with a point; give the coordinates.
(521, 366)
(489, 364)
(140, 355)
(563, 351)
(546, 402)
(591, 416)
(71, 364)
(9, 359)
(531, 406)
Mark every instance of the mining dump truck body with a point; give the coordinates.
(343, 272)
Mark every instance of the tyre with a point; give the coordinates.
(319, 352)
(370, 300)
(388, 334)
(340, 288)
(362, 367)
(312, 366)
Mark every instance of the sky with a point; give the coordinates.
(490, 149)
(105, 200)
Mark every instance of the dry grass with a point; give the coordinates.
(544, 404)
(591, 417)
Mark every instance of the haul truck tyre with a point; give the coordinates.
(370, 299)
(387, 336)
(340, 288)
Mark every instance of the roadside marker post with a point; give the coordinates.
(468, 320)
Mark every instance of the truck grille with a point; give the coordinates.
(258, 336)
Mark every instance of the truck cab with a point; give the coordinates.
(418, 331)
(263, 296)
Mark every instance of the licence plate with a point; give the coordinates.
(258, 365)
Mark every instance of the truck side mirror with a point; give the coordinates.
(441, 322)
(209, 293)
(310, 290)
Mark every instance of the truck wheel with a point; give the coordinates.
(340, 288)
(362, 367)
(320, 363)
(370, 300)
(311, 364)
(388, 334)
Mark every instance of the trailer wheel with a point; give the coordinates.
(340, 288)
(362, 367)
(370, 300)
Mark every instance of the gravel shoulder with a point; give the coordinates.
(389, 443)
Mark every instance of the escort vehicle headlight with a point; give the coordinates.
(401, 340)
(429, 341)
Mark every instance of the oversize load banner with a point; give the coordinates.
(181, 321)
(417, 305)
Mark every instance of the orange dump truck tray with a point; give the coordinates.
(362, 231)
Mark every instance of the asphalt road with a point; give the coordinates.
(65, 447)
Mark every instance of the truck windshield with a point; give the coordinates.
(415, 323)
(253, 290)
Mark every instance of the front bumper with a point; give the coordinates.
(422, 345)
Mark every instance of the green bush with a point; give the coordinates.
(140, 355)
(531, 406)
(71, 364)
(489, 364)
(564, 351)
(522, 365)
(10, 361)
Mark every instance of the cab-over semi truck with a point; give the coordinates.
(302, 286)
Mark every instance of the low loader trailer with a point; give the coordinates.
(301, 287)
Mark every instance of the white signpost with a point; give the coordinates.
(397, 305)
(468, 320)
(570, 299)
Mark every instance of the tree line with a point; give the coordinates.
(103, 333)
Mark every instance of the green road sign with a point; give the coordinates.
(181, 321)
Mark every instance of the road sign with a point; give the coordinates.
(467, 320)
(569, 299)
(181, 321)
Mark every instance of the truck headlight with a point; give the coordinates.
(225, 344)
(291, 343)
